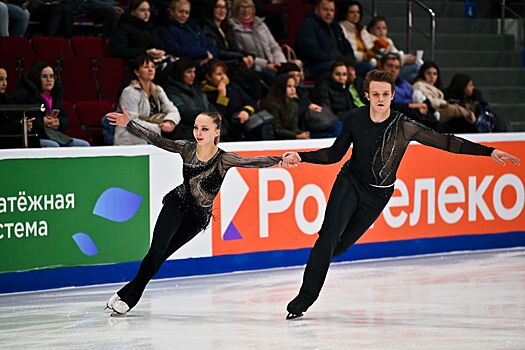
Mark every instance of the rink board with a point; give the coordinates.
(263, 218)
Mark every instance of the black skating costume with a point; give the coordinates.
(187, 208)
(363, 186)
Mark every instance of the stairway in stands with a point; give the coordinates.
(466, 45)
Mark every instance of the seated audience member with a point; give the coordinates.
(136, 35)
(187, 96)
(320, 40)
(147, 104)
(282, 103)
(332, 91)
(428, 82)
(234, 104)
(39, 87)
(106, 12)
(303, 92)
(10, 122)
(183, 36)
(383, 45)
(14, 18)
(461, 91)
(355, 86)
(253, 36)
(360, 39)
(219, 32)
(56, 17)
(403, 97)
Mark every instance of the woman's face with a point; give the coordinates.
(220, 11)
(217, 76)
(431, 76)
(146, 72)
(246, 11)
(353, 15)
(189, 76)
(380, 29)
(205, 130)
(290, 88)
(47, 79)
(340, 75)
(181, 12)
(142, 12)
(3, 80)
(469, 89)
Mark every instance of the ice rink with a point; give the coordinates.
(454, 301)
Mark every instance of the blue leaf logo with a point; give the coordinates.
(117, 204)
(85, 243)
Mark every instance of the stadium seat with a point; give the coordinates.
(51, 46)
(74, 128)
(112, 74)
(13, 51)
(89, 46)
(79, 80)
(90, 114)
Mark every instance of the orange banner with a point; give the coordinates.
(437, 194)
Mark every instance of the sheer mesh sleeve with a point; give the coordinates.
(331, 154)
(155, 139)
(230, 160)
(447, 142)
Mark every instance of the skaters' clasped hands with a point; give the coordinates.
(290, 160)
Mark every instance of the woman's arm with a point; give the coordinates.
(230, 160)
(124, 120)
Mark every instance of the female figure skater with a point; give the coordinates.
(366, 182)
(187, 208)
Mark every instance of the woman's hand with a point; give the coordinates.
(243, 117)
(315, 108)
(290, 159)
(500, 157)
(167, 126)
(119, 119)
(304, 135)
(51, 122)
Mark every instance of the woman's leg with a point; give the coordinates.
(166, 227)
(48, 143)
(78, 143)
(4, 20)
(342, 205)
(18, 20)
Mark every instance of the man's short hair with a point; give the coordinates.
(379, 75)
(390, 56)
(317, 2)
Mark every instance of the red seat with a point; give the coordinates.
(79, 80)
(90, 114)
(89, 46)
(13, 50)
(112, 75)
(74, 128)
(51, 46)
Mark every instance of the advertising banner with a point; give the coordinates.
(438, 194)
(61, 212)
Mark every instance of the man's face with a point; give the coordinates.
(326, 11)
(392, 66)
(380, 96)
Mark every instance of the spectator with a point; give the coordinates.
(189, 99)
(240, 64)
(253, 36)
(356, 34)
(403, 97)
(461, 91)
(320, 40)
(10, 122)
(282, 103)
(184, 37)
(136, 35)
(302, 92)
(428, 82)
(332, 91)
(106, 12)
(355, 87)
(40, 87)
(55, 15)
(378, 27)
(14, 18)
(147, 104)
(234, 104)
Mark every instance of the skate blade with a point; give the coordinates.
(116, 314)
(291, 316)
